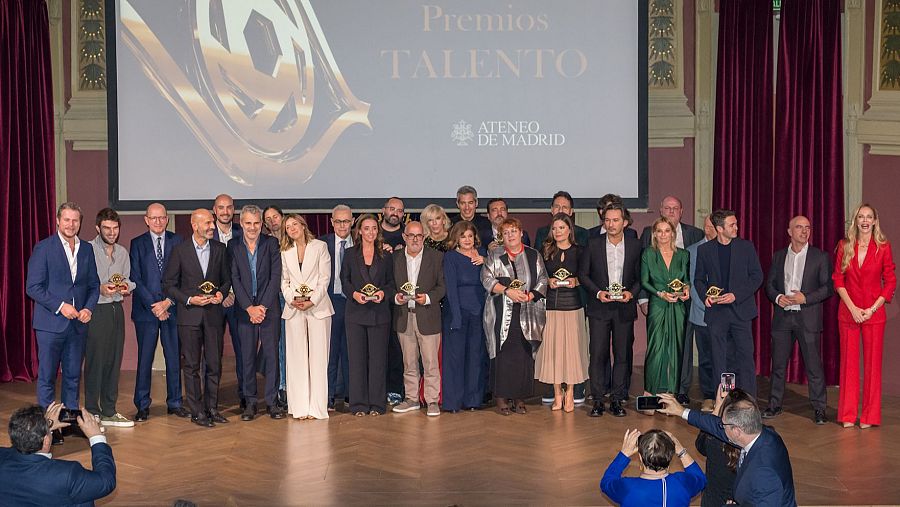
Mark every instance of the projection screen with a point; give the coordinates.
(307, 103)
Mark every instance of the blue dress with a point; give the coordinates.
(462, 347)
(672, 491)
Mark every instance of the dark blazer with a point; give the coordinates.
(184, 275)
(765, 478)
(582, 237)
(49, 284)
(355, 274)
(691, 235)
(595, 278)
(744, 279)
(482, 223)
(329, 240)
(268, 275)
(816, 286)
(597, 231)
(236, 232)
(430, 282)
(31, 479)
(146, 275)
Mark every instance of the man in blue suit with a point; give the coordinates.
(62, 280)
(153, 313)
(30, 476)
(224, 232)
(730, 264)
(764, 474)
(338, 360)
(256, 281)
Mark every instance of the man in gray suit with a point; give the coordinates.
(419, 279)
(799, 281)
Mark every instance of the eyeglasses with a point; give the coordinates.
(414, 237)
(341, 222)
(157, 219)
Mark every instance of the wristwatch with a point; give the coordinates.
(682, 453)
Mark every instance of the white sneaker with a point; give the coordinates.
(405, 406)
(118, 420)
(433, 410)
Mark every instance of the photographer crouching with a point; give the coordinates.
(30, 476)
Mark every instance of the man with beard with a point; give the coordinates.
(497, 213)
(392, 223)
(196, 277)
(106, 330)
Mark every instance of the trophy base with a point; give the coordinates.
(563, 283)
(300, 299)
(371, 298)
(617, 297)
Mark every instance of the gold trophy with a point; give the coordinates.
(615, 291)
(516, 284)
(408, 290)
(207, 288)
(498, 239)
(676, 286)
(369, 291)
(714, 292)
(301, 293)
(118, 282)
(562, 275)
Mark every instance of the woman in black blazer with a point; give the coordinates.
(368, 321)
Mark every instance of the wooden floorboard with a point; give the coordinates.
(471, 458)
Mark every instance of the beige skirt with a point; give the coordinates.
(562, 356)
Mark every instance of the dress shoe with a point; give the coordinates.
(177, 411)
(202, 420)
(331, 406)
(217, 417)
(243, 404)
(58, 438)
(248, 414)
(281, 399)
(597, 411)
(275, 412)
(772, 412)
(142, 415)
(820, 418)
(616, 409)
(683, 400)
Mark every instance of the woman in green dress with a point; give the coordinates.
(661, 265)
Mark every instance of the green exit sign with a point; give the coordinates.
(776, 5)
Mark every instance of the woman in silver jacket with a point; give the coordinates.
(514, 315)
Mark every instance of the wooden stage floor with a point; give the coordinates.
(471, 458)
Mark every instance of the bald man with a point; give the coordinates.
(153, 313)
(196, 278)
(799, 281)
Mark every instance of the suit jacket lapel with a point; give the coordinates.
(604, 266)
(306, 269)
(402, 272)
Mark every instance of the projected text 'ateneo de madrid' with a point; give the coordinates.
(483, 63)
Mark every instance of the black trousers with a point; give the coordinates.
(732, 349)
(367, 348)
(201, 341)
(103, 358)
(700, 334)
(810, 346)
(394, 373)
(252, 336)
(604, 332)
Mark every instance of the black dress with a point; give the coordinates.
(719, 478)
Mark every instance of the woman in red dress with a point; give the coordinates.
(864, 279)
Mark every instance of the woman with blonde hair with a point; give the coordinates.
(305, 273)
(437, 227)
(864, 279)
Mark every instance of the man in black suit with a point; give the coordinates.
(467, 203)
(685, 235)
(256, 281)
(605, 201)
(338, 362)
(497, 213)
(799, 281)
(730, 264)
(764, 474)
(225, 232)
(196, 277)
(417, 317)
(612, 259)
(562, 203)
(29, 475)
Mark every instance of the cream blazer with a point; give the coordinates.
(316, 273)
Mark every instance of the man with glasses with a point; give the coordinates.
(153, 313)
(392, 223)
(419, 279)
(338, 360)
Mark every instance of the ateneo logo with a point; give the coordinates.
(255, 82)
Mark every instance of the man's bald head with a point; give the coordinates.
(156, 218)
(414, 236)
(202, 225)
(223, 207)
(799, 229)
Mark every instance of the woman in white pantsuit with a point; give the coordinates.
(305, 261)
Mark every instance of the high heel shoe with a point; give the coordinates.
(847, 424)
(557, 405)
(864, 426)
(569, 405)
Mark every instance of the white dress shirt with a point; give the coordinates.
(413, 265)
(71, 256)
(615, 260)
(225, 237)
(794, 264)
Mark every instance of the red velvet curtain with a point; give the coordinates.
(809, 159)
(27, 195)
(743, 179)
